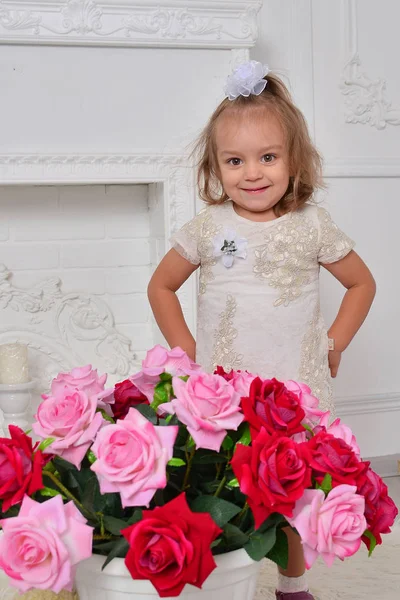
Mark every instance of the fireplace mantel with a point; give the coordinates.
(162, 23)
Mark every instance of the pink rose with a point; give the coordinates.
(307, 401)
(132, 456)
(331, 526)
(160, 360)
(85, 379)
(340, 430)
(41, 546)
(241, 380)
(70, 417)
(208, 405)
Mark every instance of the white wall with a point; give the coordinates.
(309, 42)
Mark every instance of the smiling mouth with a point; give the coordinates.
(255, 190)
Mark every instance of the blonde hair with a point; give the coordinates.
(305, 164)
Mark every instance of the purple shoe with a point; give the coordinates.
(294, 596)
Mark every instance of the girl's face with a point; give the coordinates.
(253, 162)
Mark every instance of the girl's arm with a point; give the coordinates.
(170, 274)
(354, 274)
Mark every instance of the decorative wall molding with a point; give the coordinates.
(357, 405)
(365, 98)
(161, 23)
(62, 330)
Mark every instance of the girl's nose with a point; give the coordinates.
(252, 171)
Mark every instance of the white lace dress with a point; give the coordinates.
(262, 313)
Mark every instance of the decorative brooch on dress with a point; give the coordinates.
(230, 246)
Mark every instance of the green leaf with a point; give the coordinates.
(234, 536)
(119, 550)
(91, 457)
(105, 416)
(136, 517)
(208, 459)
(63, 465)
(91, 490)
(46, 443)
(176, 462)
(372, 539)
(50, 493)
(260, 543)
(148, 412)
(233, 483)
(245, 438)
(165, 377)
(190, 443)
(114, 525)
(279, 554)
(49, 467)
(220, 510)
(227, 444)
(104, 546)
(162, 394)
(326, 484)
(273, 520)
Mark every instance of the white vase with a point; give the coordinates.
(235, 578)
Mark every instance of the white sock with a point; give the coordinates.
(289, 585)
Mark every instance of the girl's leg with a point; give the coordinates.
(292, 581)
(296, 565)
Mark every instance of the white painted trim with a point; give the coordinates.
(386, 466)
(362, 167)
(161, 23)
(356, 405)
(301, 59)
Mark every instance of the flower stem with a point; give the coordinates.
(188, 468)
(242, 513)
(100, 537)
(67, 493)
(221, 486)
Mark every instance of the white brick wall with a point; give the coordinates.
(97, 239)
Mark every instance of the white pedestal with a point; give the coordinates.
(16, 405)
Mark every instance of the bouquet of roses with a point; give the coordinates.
(175, 465)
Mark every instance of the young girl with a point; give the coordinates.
(259, 244)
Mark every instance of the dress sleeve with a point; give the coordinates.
(333, 243)
(186, 240)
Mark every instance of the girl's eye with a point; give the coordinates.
(268, 157)
(234, 161)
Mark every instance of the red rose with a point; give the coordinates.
(380, 510)
(20, 468)
(273, 473)
(221, 371)
(126, 394)
(170, 546)
(332, 455)
(272, 406)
